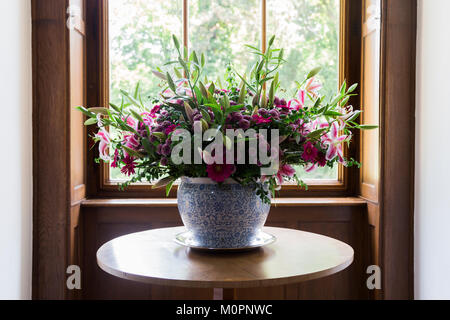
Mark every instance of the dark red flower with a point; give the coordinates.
(129, 166)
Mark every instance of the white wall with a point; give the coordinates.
(15, 149)
(432, 220)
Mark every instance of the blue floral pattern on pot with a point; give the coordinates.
(221, 216)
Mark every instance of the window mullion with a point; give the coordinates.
(264, 25)
(186, 24)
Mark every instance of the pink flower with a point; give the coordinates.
(347, 113)
(321, 160)
(129, 167)
(259, 119)
(285, 171)
(312, 86)
(297, 104)
(154, 111)
(309, 152)
(220, 172)
(116, 159)
(311, 168)
(103, 135)
(130, 121)
(170, 129)
(131, 142)
(147, 117)
(334, 143)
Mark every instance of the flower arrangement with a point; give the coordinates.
(307, 130)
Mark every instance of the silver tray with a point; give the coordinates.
(186, 239)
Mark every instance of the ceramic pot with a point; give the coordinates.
(221, 216)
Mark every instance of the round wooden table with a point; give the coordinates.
(153, 257)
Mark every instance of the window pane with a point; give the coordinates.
(308, 30)
(140, 39)
(221, 28)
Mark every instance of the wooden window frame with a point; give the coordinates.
(98, 95)
(52, 201)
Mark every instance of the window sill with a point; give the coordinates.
(280, 202)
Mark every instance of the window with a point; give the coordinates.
(140, 39)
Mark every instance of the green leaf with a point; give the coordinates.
(189, 111)
(147, 146)
(317, 133)
(203, 62)
(136, 90)
(160, 135)
(206, 115)
(242, 94)
(260, 66)
(272, 93)
(314, 72)
(184, 65)
(131, 99)
(163, 182)
(226, 103)
(352, 88)
(203, 90)
(368, 127)
(160, 75)
(169, 187)
(212, 88)
(355, 116)
(133, 153)
(90, 121)
(343, 87)
(137, 116)
(86, 112)
(103, 111)
(176, 42)
(232, 109)
(272, 39)
(332, 114)
(171, 83)
(116, 108)
(195, 58)
(177, 73)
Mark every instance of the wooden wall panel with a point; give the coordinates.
(58, 144)
(387, 180)
(51, 141)
(348, 224)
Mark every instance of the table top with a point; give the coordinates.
(153, 257)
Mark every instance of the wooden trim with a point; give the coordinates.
(51, 148)
(186, 24)
(398, 78)
(280, 202)
(264, 27)
(98, 91)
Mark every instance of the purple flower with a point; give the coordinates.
(211, 114)
(166, 150)
(274, 114)
(244, 124)
(164, 161)
(309, 152)
(263, 112)
(237, 116)
(129, 167)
